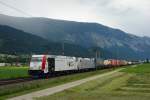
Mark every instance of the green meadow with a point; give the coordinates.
(12, 90)
(131, 83)
(13, 72)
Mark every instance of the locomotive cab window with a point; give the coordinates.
(36, 59)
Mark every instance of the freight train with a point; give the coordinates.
(51, 64)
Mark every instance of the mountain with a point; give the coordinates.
(14, 41)
(87, 35)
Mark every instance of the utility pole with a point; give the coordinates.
(63, 48)
(96, 58)
(98, 54)
(117, 58)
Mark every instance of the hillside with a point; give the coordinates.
(87, 35)
(14, 41)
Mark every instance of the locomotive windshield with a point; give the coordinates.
(36, 59)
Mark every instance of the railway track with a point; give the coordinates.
(12, 81)
(19, 80)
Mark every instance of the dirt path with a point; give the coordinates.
(60, 88)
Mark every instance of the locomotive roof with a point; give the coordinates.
(59, 56)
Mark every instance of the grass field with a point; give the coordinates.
(140, 69)
(132, 84)
(27, 87)
(13, 72)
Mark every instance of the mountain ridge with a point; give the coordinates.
(84, 34)
(14, 41)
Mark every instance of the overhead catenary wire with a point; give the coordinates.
(16, 9)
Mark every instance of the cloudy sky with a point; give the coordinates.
(132, 16)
